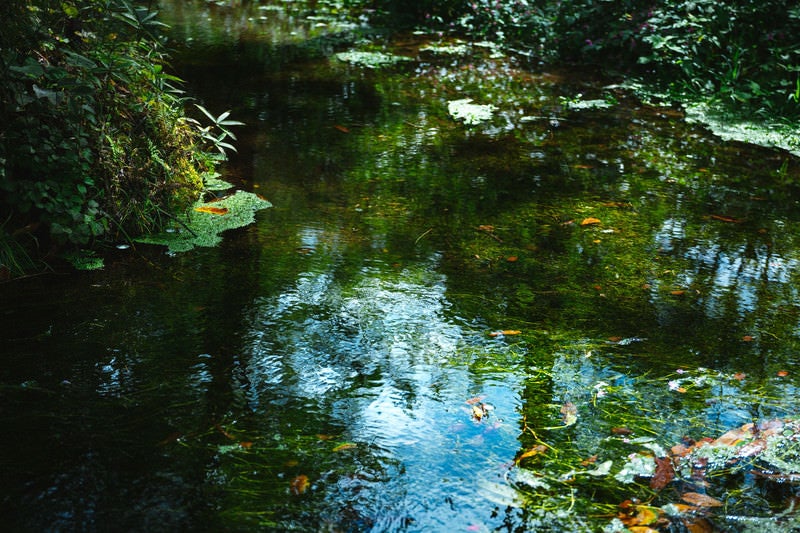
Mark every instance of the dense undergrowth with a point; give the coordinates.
(743, 54)
(94, 141)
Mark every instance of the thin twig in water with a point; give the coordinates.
(423, 235)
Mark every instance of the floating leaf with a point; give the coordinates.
(479, 411)
(724, 218)
(470, 113)
(343, 129)
(637, 516)
(345, 446)
(603, 469)
(512, 258)
(299, 485)
(212, 210)
(701, 500)
(536, 450)
(569, 413)
(679, 292)
(664, 474)
(782, 373)
(739, 376)
(505, 332)
(747, 338)
(246, 444)
(590, 221)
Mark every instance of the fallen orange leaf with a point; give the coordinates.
(212, 210)
(782, 373)
(505, 332)
(345, 446)
(299, 485)
(677, 293)
(536, 450)
(590, 221)
(747, 338)
(246, 444)
(701, 500)
(343, 129)
(739, 376)
(511, 258)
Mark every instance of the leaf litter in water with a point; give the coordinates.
(569, 413)
(299, 485)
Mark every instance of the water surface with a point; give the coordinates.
(381, 347)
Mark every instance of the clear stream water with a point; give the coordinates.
(339, 366)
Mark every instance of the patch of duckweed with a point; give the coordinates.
(578, 103)
(454, 49)
(212, 182)
(471, 114)
(372, 60)
(85, 260)
(204, 224)
(748, 131)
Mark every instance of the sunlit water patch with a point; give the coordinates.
(381, 358)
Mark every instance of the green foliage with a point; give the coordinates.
(93, 138)
(743, 53)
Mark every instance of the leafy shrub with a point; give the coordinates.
(93, 139)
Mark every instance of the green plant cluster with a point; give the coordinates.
(94, 143)
(744, 53)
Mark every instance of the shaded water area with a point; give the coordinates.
(437, 327)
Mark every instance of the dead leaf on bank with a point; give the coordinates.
(211, 210)
(700, 500)
(590, 221)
